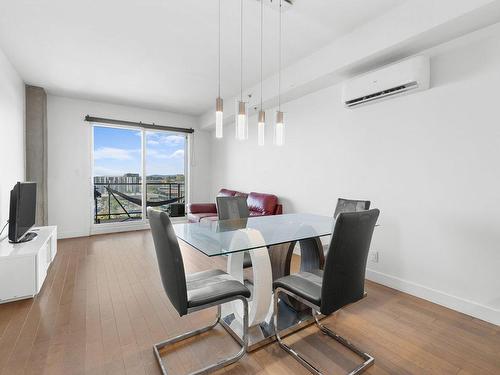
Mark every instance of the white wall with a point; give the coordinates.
(12, 105)
(429, 161)
(69, 161)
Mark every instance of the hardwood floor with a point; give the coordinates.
(102, 307)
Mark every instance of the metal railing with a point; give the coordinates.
(122, 201)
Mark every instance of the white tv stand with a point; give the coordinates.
(24, 266)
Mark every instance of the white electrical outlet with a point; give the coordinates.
(374, 256)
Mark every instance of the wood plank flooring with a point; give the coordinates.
(102, 307)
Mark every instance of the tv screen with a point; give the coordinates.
(22, 209)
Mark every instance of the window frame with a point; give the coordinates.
(143, 223)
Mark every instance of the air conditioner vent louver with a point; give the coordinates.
(382, 94)
(408, 75)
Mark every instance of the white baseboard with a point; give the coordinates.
(462, 305)
(105, 228)
(114, 228)
(71, 234)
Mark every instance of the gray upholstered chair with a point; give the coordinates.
(339, 284)
(234, 208)
(350, 205)
(347, 205)
(193, 292)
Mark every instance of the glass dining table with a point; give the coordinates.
(270, 241)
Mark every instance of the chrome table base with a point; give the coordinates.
(264, 333)
(293, 314)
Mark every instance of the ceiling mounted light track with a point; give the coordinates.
(275, 4)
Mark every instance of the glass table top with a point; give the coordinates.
(221, 237)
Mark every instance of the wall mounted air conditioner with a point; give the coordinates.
(404, 77)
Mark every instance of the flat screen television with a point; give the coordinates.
(22, 211)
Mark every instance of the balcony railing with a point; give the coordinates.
(122, 201)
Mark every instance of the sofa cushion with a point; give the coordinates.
(231, 193)
(196, 218)
(265, 204)
(226, 193)
(201, 208)
(209, 218)
(259, 204)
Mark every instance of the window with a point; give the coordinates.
(165, 171)
(136, 168)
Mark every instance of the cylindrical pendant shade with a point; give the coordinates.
(279, 133)
(219, 117)
(262, 116)
(241, 131)
(261, 128)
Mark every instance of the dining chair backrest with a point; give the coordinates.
(345, 266)
(170, 263)
(232, 208)
(350, 205)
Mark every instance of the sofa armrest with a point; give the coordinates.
(202, 208)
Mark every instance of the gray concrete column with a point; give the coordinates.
(36, 147)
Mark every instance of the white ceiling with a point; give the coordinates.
(162, 54)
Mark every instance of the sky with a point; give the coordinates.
(118, 151)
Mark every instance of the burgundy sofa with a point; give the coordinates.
(259, 204)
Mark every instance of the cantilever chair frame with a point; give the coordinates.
(368, 359)
(221, 363)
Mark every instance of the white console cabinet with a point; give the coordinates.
(24, 266)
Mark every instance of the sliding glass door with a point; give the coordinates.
(165, 171)
(135, 168)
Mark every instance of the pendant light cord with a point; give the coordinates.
(241, 50)
(279, 62)
(261, 46)
(219, 45)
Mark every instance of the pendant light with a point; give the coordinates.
(279, 135)
(261, 125)
(219, 104)
(241, 131)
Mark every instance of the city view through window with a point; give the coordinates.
(118, 174)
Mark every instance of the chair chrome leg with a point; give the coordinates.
(304, 362)
(369, 360)
(215, 366)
